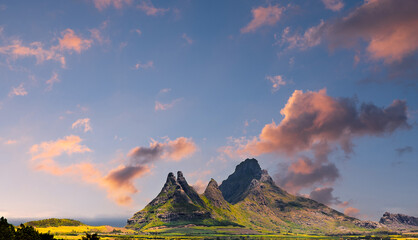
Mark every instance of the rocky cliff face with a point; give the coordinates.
(399, 221)
(237, 183)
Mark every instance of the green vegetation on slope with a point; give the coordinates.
(54, 222)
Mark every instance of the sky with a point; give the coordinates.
(101, 99)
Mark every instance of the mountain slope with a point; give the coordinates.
(248, 198)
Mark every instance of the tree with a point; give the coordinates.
(7, 231)
(91, 237)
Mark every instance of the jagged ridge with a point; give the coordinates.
(249, 198)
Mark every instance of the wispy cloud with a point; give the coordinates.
(277, 81)
(187, 38)
(18, 91)
(146, 65)
(50, 82)
(165, 106)
(118, 4)
(148, 8)
(83, 123)
(69, 42)
(334, 5)
(263, 16)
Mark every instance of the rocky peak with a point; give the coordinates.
(237, 183)
(398, 219)
(213, 194)
(190, 192)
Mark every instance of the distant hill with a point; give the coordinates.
(248, 198)
(399, 222)
(54, 222)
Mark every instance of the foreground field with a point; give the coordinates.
(195, 232)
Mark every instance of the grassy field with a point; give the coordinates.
(194, 232)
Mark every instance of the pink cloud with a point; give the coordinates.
(263, 16)
(71, 42)
(50, 82)
(146, 65)
(148, 8)
(334, 5)
(119, 181)
(118, 4)
(351, 211)
(18, 91)
(277, 81)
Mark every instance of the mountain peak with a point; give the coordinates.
(237, 183)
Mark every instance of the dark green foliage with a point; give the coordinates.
(8, 232)
(91, 237)
(54, 222)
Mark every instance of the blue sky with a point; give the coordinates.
(100, 99)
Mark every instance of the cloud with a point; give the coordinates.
(314, 125)
(312, 37)
(406, 149)
(146, 65)
(169, 149)
(50, 82)
(187, 38)
(164, 90)
(10, 142)
(199, 186)
(119, 181)
(103, 4)
(71, 42)
(263, 16)
(277, 81)
(18, 91)
(351, 211)
(52, 149)
(391, 29)
(334, 5)
(138, 31)
(324, 195)
(312, 117)
(82, 123)
(17, 50)
(165, 106)
(148, 8)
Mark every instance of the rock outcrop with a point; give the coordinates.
(399, 222)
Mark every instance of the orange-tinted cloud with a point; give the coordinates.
(18, 91)
(119, 181)
(312, 117)
(103, 4)
(68, 42)
(17, 50)
(148, 8)
(71, 42)
(351, 211)
(389, 27)
(263, 16)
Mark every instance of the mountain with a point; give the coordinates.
(399, 222)
(177, 204)
(249, 199)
